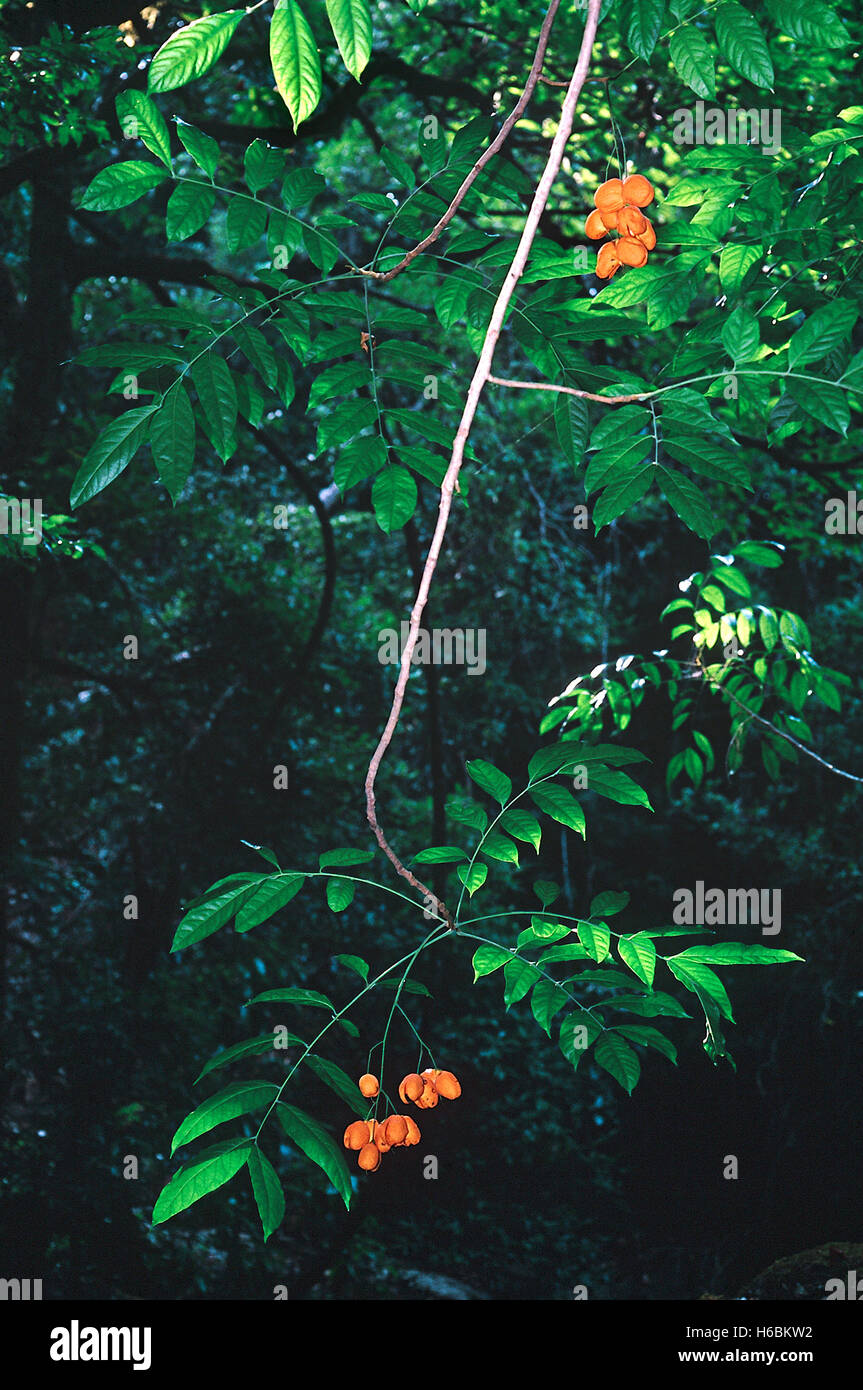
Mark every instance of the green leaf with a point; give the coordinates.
(693, 60)
(398, 167)
(357, 964)
(338, 1081)
(472, 877)
(273, 894)
(651, 1006)
(648, 1037)
(346, 421)
(489, 958)
(615, 1056)
(577, 1031)
(768, 628)
(500, 847)
(394, 498)
(189, 207)
(546, 1001)
(172, 440)
(740, 335)
(192, 50)
(560, 804)
(567, 952)
(546, 890)
(595, 937)
(112, 451)
(818, 26)
(340, 893)
(295, 60)
(262, 164)
(466, 812)
(441, 854)
(141, 119)
(608, 904)
(520, 976)
(740, 38)
(218, 399)
(317, 1145)
(491, 779)
(121, 184)
(645, 26)
(822, 332)
(211, 913)
(639, 953)
(523, 825)
(250, 1047)
(245, 223)
(212, 1168)
(757, 553)
(688, 501)
(240, 1098)
(616, 786)
(203, 148)
(701, 979)
(542, 930)
(736, 953)
(267, 1191)
(352, 25)
(734, 264)
(291, 995)
(571, 422)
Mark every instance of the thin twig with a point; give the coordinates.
(480, 377)
(515, 115)
(568, 391)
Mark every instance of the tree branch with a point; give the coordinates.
(480, 377)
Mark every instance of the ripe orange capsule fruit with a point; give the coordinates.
(429, 1098)
(609, 220)
(396, 1130)
(357, 1134)
(631, 251)
(595, 227)
(379, 1137)
(638, 190)
(369, 1085)
(413, 1134)
(648, 236)
(411, 1087)
(610, 197)
(631, 221)
(447, 1086)
(607, 262)
(370, 1158)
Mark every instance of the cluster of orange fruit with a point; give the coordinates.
(618, 209)
(371, 1138)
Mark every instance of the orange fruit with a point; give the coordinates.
(411, 1087)
(429, 1098)
(638, 190)
(447, 1086)
(396, 1130)
(631, 221)
(369, 1085)
(610, 197)
(609, 220)
(370, 1158)
(648, 236)
(595, 227)
(357, 1134)
(379, 1138)
(607, 262)
(631, 251)
(413, 1134)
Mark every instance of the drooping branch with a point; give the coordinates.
(480, 378)
(500, 139)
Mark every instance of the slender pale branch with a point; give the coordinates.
(480, 378)
(500, 139)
